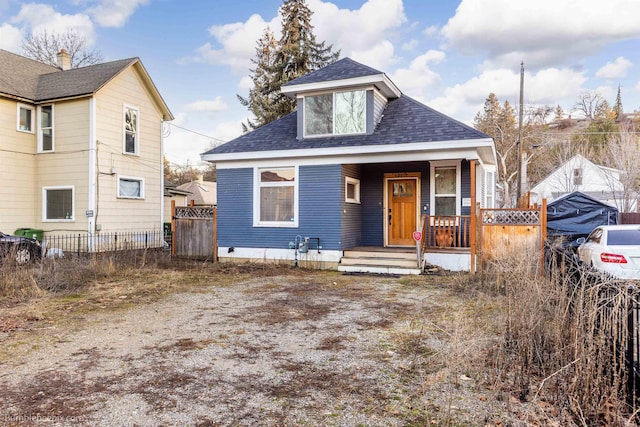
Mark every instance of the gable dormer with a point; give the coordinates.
(343, 98)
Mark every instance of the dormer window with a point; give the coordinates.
(337, 113)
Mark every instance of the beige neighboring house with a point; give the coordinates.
(80, 149)
(201, 192)
(172, 193)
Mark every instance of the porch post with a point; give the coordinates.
(472, 219)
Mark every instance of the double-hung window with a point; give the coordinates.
(57, 203)
(45, 130)
(131, 136)
(445, 188)
(26, 118)
(276, 197)
(130, 187)
(338, 113)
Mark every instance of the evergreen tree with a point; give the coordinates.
(617, 107)
(295, 54)
(261, 95)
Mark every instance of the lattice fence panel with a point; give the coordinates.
(205, 212)
(510, 217)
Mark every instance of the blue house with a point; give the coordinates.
(350, 176)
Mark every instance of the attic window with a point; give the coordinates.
(338, 113)
(577, 176)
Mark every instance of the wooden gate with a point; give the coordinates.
(194, 232)
(506, 233)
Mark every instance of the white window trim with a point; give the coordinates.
(53, 131)
(256, 199)
(33, 118)
(131, 178)
(432, 183)
(73, 203)
(356, 182)
(333, 111)
(126, 107)
(490, 189)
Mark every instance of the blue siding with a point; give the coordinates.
(320, 189)
(351, 212)
(372, 196)
(465, 185)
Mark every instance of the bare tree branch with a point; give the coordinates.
(44, 47)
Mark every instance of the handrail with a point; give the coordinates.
(446, 231)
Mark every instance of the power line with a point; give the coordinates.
(196, 133)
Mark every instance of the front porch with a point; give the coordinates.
(445, 241)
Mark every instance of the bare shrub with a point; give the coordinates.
(564, 340)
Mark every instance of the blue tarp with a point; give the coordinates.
(577, 214)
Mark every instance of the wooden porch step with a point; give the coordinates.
(400, 261)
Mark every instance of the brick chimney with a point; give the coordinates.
(64, 60)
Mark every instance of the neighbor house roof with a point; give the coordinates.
(29, 80)
(201, 192)
(405, 121)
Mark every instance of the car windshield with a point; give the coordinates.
(624, 237)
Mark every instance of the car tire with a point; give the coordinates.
(23, 255)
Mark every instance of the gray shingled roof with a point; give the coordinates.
(25, 78)
(405, 121)
(79, 81)
(345, 68)
(19, 75)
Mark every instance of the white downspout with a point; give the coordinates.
(93, 163)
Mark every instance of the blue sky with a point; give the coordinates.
(447, 54)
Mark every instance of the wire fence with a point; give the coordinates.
(84, 243)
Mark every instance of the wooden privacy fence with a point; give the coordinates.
(194, 232)
(512, 232)
(629, 217)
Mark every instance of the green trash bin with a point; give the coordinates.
(35, 233)
(32, 233)
(22, 232)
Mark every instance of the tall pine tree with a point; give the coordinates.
(296, 53)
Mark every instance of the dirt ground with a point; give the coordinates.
(313, 348)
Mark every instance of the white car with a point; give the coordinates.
(613, 249)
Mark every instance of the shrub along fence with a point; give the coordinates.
(607, 312)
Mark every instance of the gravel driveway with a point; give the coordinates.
(321, 349)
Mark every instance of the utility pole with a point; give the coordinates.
(519, 142)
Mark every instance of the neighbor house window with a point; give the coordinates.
(45, 132)
(276, 201)
(352, 190)
(131, 130)
(577, 176)
(335, 113)
(26, 116)
(57, 203)
(130, 188)
(445, 189)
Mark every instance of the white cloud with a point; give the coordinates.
(207, 106)
(10, 38)
(245, 84)
(361, 32)
(377, 56)
(416, 79)
(114, 13)
(237, 43)
(410, 45)
(548, 86)
(183, 146)
(40, 17)
(615, 70)
(431, 31)
(541, 32)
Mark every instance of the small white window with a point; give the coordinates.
(45, 130)
(57, 204)
(351, 190)
(131, 134)
(489, 186)
(445, 188)
(276, 197)
(130, 187)
(577, 176)
(26, 117)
